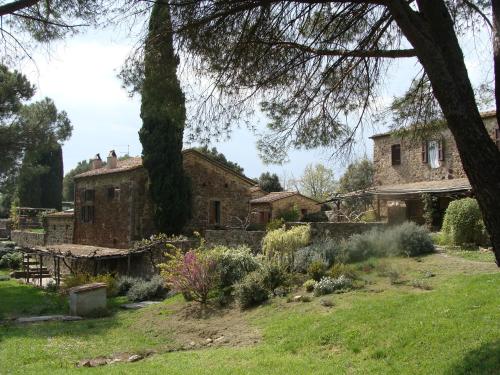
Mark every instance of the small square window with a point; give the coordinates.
(396, 154)
(215, 213)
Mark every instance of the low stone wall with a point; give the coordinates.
(235, 237)
(27, 239)
(59, 228)
(337, 231)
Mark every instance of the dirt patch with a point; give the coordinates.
(192, 327)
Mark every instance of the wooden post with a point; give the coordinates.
(28, 267)
(40, 257)
(128, 265)
(378, 208)
(58, 280)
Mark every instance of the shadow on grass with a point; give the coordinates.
(480, 361)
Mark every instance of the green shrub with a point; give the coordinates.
(327, 285)
(341, 269)
(412, 239)
(309, 285)
(316, 270)
(233, 264)
(275, 224)
(124, 283)
(273, 276)
(145, 290)
(463, 224)
(281, 244)
(107, 279)
(251, 291)
(12, 260)
(326, 252)
(406, 239)
(291, 215)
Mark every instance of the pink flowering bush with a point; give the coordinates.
(192, 274)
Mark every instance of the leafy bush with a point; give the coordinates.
(12, 260)
(316, 270)
(107, 279)
(406, 239)
(193, 274)
(232, 264)
(327, 285)
(275, 224)
(273, 276)
(281, 244)
(463, 223)
(290, 215)
(309, 285)
(341, 269)
(325, 252)
(124, 283)
(143, 290)
(251, 291)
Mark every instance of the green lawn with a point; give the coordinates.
(380, 329)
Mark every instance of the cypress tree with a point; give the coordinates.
(163, 116)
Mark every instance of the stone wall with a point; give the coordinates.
(235, 237)
(412, 169)
(59, 228)
(28, 239)
(337, 231)
(210, 182)
(122, 209)
(286, 204)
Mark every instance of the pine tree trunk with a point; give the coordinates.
(431, 33)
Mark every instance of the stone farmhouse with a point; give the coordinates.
(405, 169)
(113, 208)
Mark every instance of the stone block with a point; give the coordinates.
(86, 299)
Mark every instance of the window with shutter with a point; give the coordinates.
(396, 154)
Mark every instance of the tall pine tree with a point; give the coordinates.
(163, 116)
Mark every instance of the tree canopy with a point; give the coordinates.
(317, 182)
(220, 157)
(269, 182)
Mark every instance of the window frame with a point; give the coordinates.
(396, 148)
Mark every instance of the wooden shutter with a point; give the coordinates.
(425, 153)
(441, 150)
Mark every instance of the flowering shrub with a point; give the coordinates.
(327, 285)
(191, 274)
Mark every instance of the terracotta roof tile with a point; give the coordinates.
(122, 165)
(274, 196)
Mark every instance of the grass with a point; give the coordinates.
(383, 328)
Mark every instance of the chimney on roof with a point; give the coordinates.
(96, 162)
(112, 160)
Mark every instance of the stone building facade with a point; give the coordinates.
(113, 208)
(401, 160)
(59, 228)
(270, 206)
(406, 169)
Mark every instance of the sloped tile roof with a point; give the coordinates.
(136, 162)
(276, 196)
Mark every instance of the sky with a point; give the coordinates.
(80, 75)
